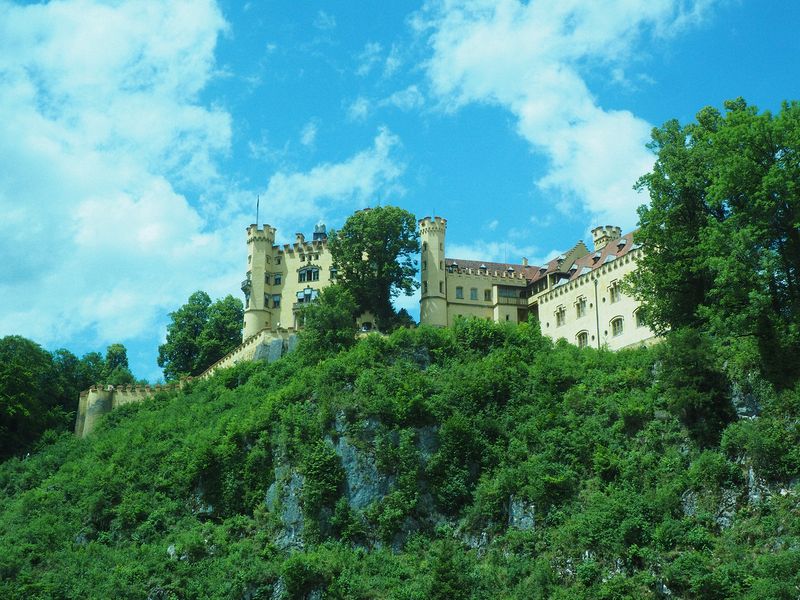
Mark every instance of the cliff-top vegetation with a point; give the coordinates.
(481, 461)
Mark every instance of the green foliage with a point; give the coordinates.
(28, 394)
(695, 390)
(329, 323)
(375, 253)
(722, 235)
(200, 333)
(185, 495)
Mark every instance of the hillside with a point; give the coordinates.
(476, 462)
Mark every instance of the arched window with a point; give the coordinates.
(639, 318)
(616, 326)
(583, 339)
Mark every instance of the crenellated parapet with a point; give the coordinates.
(99, 400)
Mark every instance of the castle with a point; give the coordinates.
(576, 296)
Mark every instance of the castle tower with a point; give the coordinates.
(603, 235)
(257, 314)
(433, 299)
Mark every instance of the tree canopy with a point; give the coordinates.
(201, 332)
(329, 323)
(375, 254)
(722, 234)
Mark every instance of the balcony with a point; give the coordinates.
(247, 286)
(512, 301)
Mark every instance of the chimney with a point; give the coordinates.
(524, 262)
(300, 238)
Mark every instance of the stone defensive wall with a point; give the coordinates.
(100, 400)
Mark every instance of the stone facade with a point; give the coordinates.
(576, 296)
(281, 279)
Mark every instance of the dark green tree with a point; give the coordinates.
(116, 370)
(201, 332)
(375, 254)
(29, 394)
(329, 322)
(722, 234)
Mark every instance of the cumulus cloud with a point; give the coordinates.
(333, 188)
(113, 208)
(532, 59)
(99, 124)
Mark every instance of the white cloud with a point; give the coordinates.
(406, 99)
(393, 62)
(359, 109)
(324, 21)
(369, 57)
(498, 252)
(308, 135)
(100, 124)
(530, 58)
(368, 176)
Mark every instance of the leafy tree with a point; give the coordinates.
(375, 255)
(29, 394)
(722, 234)
(329, 322)
(201, 332)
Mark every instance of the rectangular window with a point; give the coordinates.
(276, 301)
(487, 295)
(301, 276)
(473, 293)
(333, 274)
(580, 307)
(266, 278)
(561, 316)
(314, 274)
(277, 260)
(441, 287)
(614, 292)
(424, 265)
(459, 292)
(424, 287)
(278, 279)
(640, 319)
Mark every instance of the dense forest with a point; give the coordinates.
(481, 461)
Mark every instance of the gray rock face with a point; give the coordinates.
(745, 401)
(275, 350)
(689, 503)
(521, 514)
(727, 508)
(364, 483)
(757, 490)
(286, 498)
(262, 352)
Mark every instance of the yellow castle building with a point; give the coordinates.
(576, 296)
(281, 279)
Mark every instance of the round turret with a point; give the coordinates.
(433, 298)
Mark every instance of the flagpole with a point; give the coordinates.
(258, 201)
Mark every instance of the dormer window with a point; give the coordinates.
(596, 256)
(621, 242)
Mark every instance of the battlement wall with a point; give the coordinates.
(100, 400)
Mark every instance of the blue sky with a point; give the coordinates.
(135, 136)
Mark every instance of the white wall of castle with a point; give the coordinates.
(601, 309)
